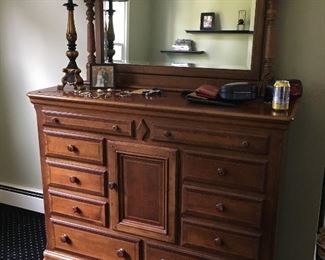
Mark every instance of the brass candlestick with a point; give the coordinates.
(72, 72)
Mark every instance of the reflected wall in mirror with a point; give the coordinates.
(146, 31)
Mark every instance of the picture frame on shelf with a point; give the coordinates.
(102, 76)
(208, 21)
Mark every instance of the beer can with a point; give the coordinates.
(281, 95)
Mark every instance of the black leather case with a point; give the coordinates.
(238, 91)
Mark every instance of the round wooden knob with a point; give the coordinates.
(218, 241)
(65, 239)
(121, 252)
(112, 185)
(167, 133)
(55, 120)
(115, 127)
(220, 207)
(73, 179)
(245, 143)
(221, 172)
(71, 148)
(76, 210)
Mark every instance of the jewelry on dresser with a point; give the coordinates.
(72, 72)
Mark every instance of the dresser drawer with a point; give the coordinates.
(86, 209)
(226, 206)
(218, 139)
(94, 245)
(85, 147)
(228, 171)
(79, 177)
(163, 252)
(233, 242)
(88, 122)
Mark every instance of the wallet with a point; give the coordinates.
(207, 91)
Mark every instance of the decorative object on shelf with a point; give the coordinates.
(102, 76)
(183, 45)
(72, 72)
(109, 34)
(241, 20)
(208, 21)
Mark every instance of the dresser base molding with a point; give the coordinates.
(54, 255)
(22, 197)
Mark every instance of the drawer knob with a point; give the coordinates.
(55, 120)
(167, 133)
(72, 148)
(65, 239)
(115, 128)
(245, 143)
(74, 179)
(76, 210)
(220, 207)
(221, 172)
(218, 241)
(112, 185)
(121, 252)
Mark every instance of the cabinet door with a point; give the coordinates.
(142, 190)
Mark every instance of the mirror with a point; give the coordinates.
(216, 34)
(239, 56)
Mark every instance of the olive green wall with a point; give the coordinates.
(32, 47)
(300, 53)
(139, 30)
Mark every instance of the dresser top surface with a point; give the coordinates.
(171, 102)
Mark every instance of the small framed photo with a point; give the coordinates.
(102, 76)
(208, 21)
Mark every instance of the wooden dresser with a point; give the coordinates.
(159, 178)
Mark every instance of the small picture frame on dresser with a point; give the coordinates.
(102, 76)
(208, 21)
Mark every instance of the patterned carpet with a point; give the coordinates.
(22, 234)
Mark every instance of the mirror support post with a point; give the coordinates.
(91, 48)
(99, 21)
(269, 40)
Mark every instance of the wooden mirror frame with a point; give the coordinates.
(177, 78)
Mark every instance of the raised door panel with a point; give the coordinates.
(142, 190)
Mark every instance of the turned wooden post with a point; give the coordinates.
(267, 69)
(99, 21)
(90, 36)
(72, 72)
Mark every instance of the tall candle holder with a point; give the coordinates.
(72, 72)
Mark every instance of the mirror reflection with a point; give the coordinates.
(184, 33)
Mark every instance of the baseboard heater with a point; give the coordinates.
(22, 198)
